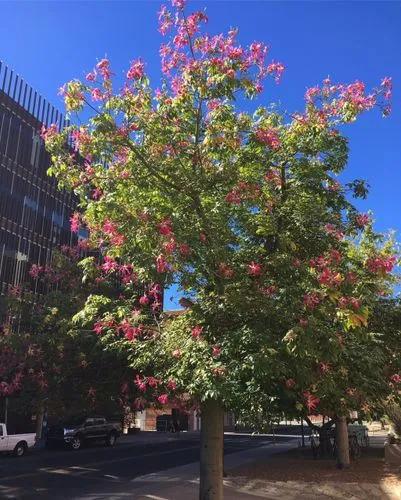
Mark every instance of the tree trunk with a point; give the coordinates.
(325, 445)
(343, 460)
(211, 456)
(40, 413)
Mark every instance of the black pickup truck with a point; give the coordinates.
(78, 430)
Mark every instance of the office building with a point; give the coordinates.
(34, 214)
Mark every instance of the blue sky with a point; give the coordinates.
(49, 43)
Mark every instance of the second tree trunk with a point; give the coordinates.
(343, 460)
(211, 456)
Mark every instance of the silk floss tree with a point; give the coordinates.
(180, 186)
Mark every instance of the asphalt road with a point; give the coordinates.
(97, 471)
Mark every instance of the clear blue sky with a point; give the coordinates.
(49, 43)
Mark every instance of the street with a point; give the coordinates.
(97, 471)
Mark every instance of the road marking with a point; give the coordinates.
(154, 497)
(110, 476)
(78, 467)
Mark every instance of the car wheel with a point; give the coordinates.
(76, 443)
(111, 439)
(20, 449)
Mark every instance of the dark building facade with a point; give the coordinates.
(34, 214)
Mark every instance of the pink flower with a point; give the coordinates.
(98, 327)
(213, 104)
(178, 4)
(324, 367)
(92, 392)
(91, 76)
(156, 306)
(225, 271)
(257, 52)
(303, 322)
(381, 264)
(311, 401)
(254, 269)
(273, 176)
(136, 70)
(48, 133)
(329, 278)
(171, 384)
(170, 246)
(153, 382)
(97, 193)
(130, 332)
(184, 249)
(144, 300)
(387, 84)
(140, 383)
(311, 93)
(216, 351)
(35, 271)
(162, 265)
(165, 20)
(109, 264)
(127, 274)
(97, 94)
(311, 300)
(334, 186)
(118, 240)
(234, 197)
(197, 331)
(165, 227)
(218, 371)
(75, 222)
(103, 63)
(109, 227)
(290, 383)
(335, 256)
(362, 220)
(333, 231)
(163, 399)
(268, 136)
(156, 291)
(104, 68)
(396, 378)
(355, 303)
(177, 353)
(276, 69)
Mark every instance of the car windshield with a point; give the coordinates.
(74, 421)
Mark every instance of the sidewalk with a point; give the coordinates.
(183, 482)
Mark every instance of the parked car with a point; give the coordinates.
(79, 430)
(18, 444)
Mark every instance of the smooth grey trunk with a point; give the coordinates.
(211, 455)
(40, 414)
(343, 459)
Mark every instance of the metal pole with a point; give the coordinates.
(6, 412)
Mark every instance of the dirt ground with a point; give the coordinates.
(299, 465)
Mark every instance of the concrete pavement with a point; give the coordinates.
(183, 482)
